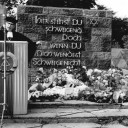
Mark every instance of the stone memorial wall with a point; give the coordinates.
(67, 36)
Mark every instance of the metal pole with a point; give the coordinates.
(4, 59)
(4, 104)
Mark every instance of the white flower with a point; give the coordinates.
(37, 94)
(89, 72)
(97, 70)
(118, 94)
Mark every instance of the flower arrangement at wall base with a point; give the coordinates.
(101, 86)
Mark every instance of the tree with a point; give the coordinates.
(11, 5)
(101, 7)
(125, 39)
(87, 4)
(119, 29)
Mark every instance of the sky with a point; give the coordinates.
(120, 7)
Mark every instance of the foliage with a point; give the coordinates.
(125, 39)
(11, 5)
(101, 7)
(119, 29)
(64, 3)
